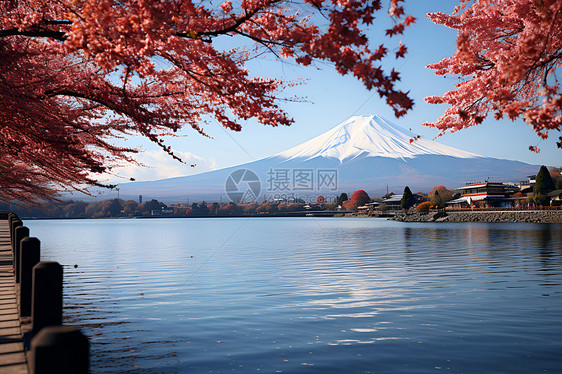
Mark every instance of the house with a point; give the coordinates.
(526, 186)
(312, 206)
(163, 212)
(485, 195)
(555, 197)
(394, 202)
(370, 205)
(167, 211)
(367, 208)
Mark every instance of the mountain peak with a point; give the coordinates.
(371, 136)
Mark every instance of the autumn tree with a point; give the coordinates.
(423, 207)
(266, 208)
(76, 74)
(74, 208)
(114, 208)
(214, 209)
(507, 54)
(230, 209)
(250, 208)
(129, 207)
(290, 207)
(439, 195)
(359, 198)
(438, 189)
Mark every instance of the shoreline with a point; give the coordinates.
(526, 216)
(533, 216)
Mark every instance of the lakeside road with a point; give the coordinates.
(12, 356)
(534, 216)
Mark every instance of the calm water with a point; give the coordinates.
(304, 295)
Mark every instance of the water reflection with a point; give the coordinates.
(311, 295)
(492, 245)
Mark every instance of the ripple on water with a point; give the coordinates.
(311, 295)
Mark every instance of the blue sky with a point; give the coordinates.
(332, 98)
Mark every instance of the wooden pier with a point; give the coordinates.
(12, 354)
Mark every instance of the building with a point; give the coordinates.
(555, 197)
(165, 211)
(367, 208)
(526, 186)
(394, 202)
(485, 195)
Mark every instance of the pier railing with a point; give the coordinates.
(50, 346)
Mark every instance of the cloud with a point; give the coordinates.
(158, 165)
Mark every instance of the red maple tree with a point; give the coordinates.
(359, 198)
(439, 189)
(75, 74)
(507, 53)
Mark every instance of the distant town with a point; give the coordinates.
(533, 192)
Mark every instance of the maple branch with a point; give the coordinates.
(57, 22)
(263, 42)
(231, 28)
(523, 48)
(38, 33)
(59, 107)
(51, 93)
(136, 117)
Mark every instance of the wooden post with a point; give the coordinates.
(29, 257)
(12, 217)
(20, 233)
(61, 350)
(46, 304)
(15, 223)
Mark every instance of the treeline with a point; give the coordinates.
(546, 181)
(233, 209)
(83, 209)
(115, 208)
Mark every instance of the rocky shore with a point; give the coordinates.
(537, 216)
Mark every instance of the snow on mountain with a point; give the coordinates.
(365, 152)
(371, 136)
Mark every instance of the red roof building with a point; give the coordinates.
(485, 195)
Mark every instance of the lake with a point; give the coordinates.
(311, 295)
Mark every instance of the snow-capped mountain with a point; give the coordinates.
(370, 136)
(365, 152)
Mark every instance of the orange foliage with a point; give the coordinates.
(76, 75)
(423, 207)
(441, 189)
(507, 55)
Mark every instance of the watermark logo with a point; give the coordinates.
(282, 185)
(295, 180)
(243, 186)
